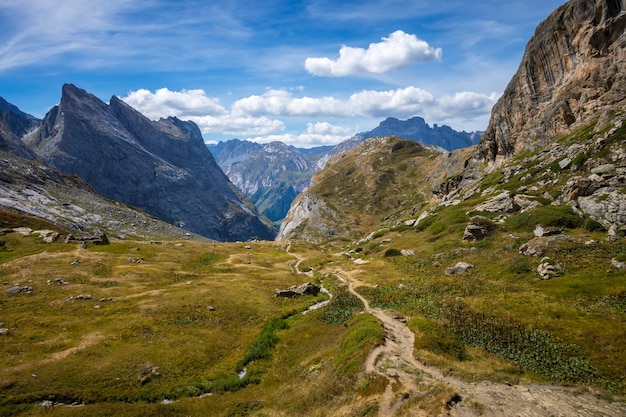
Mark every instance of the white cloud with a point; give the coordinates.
(229, 124)
(283, 103)
(260, 117)
(403, 101)
(396, 51)
(182, 104)
(325, 128)
(303, 140)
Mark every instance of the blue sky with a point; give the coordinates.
(307, 73)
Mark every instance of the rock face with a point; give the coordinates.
(573, 71)
(161, 167)
(29, 187)
(13, 125)
(307, 209)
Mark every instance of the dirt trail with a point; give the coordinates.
(410, 379)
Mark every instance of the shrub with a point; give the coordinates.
(559, 216)
(591, 225)
(341, 308)
(393, 252)
(261, 347)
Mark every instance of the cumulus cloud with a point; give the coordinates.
(325, 128)
(395, 51)
(184, 103)
(261, 117)
(206, 112)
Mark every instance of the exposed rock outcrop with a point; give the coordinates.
(572, 72)
(307, 208)
(14, 124)
(163, 167)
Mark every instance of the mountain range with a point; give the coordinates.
(489, 280)
(162, 167)
(273, 174)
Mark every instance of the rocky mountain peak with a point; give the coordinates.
(161, 167)
(418, 130)
(573, 71)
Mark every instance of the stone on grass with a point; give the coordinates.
(459, 268)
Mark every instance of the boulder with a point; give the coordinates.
(502, 203)
(582, 187)
(407, 252)
(309, 289)
(606, 206)
(548, 268)
(459, 268)
(289, 293)
(48, 236)
(478, 228)
(19, 290)
(603, 169)
(618, 264)
(537, 246)
(304, 289)
(547, 230)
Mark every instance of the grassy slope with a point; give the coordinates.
(498, 322)
(107, 353)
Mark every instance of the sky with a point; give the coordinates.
(307, 73)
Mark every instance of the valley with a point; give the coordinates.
(162, 327)
(411, 276)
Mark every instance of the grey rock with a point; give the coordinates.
(547, 230)
(19, 290)
(459, 268)
(618, 264)
(309, 289)
(290, 293)
(548, 268)
(478, 228)
(502, 203)
(304, 289)
(407, 252)
(603, 169)
(581, 187)
(538, 245)
(606, 206)
(48, 236)
(26, 231)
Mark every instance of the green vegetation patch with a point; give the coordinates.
(363, 333)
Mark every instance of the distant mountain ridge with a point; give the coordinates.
(273, 174)
(270, 174)
(416, 129)
(161, 167)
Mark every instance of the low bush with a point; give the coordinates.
(393, 252)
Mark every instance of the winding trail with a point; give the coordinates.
(410, 379)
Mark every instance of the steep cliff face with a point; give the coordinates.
(573, 71)
(161, 167)
(13, 125)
